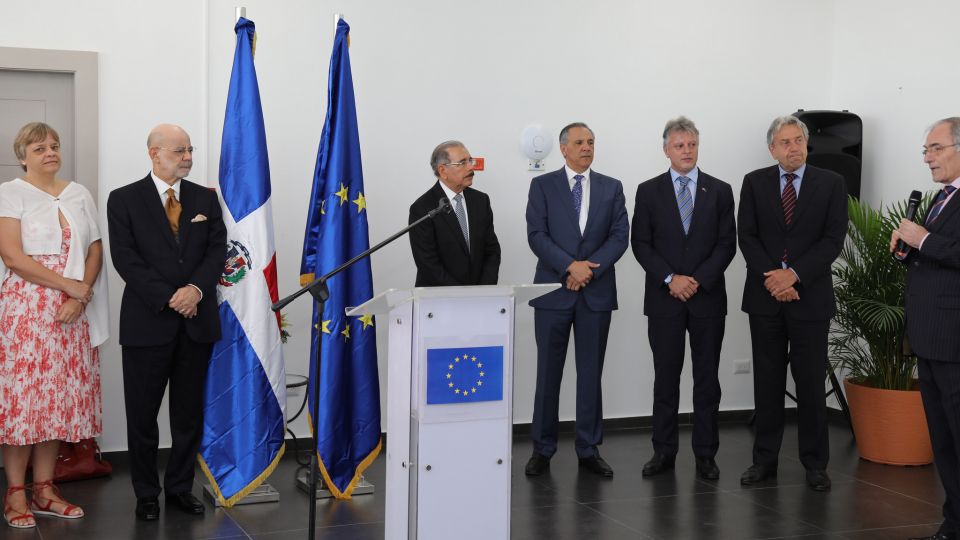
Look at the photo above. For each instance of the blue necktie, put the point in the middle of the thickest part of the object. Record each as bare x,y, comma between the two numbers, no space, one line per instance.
684,203
938,203
578,194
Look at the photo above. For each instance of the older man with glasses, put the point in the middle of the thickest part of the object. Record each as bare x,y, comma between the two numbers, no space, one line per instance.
168,243
933,312
459,247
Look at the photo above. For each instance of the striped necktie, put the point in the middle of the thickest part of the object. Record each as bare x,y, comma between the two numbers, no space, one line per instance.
938,202
684,202
789,200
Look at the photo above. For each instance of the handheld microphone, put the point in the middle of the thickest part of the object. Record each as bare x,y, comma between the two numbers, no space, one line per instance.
902,249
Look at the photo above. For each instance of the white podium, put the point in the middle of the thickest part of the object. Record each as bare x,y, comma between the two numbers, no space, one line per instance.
449,408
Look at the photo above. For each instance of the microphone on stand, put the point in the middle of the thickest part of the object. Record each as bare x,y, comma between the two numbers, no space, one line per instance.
902,249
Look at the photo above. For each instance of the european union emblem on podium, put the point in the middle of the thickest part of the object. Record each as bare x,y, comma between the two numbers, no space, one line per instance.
464,375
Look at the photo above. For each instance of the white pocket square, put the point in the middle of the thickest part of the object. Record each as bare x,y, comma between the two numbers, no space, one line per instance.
198,218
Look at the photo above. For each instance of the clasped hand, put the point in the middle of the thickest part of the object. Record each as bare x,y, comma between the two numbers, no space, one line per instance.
185,301
780,283
683,287
579,273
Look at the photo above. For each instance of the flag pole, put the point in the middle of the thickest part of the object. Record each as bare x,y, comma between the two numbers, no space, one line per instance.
240,12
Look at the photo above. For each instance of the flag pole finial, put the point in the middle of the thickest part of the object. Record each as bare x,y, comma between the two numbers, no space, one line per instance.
241,12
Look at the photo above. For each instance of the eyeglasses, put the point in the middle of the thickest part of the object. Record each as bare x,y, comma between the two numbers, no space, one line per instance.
937,148
469,161
178,151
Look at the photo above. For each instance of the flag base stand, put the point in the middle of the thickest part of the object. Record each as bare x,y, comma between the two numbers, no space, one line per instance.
303,482
265,493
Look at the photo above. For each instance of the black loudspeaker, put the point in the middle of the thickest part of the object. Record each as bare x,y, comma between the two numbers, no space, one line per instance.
836,144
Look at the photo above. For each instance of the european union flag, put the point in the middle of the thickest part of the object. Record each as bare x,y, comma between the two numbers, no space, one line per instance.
348,438
464,375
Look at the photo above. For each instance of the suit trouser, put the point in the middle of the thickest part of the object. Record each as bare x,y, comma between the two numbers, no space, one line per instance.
146,371
552,330
940,390
667,337
778,341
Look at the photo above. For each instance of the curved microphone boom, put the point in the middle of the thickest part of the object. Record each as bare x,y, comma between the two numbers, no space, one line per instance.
902,250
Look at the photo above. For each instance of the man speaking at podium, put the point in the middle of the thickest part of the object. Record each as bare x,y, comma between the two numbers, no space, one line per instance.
933,312
457,247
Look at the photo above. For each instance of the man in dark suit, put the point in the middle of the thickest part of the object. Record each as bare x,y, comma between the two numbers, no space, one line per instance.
791,224
577,227
459,247
684,235
168,242
933,312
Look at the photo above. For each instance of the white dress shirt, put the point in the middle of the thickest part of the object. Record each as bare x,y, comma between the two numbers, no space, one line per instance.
585,199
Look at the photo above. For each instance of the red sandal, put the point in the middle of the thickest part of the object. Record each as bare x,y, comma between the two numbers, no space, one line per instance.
46,510
7,508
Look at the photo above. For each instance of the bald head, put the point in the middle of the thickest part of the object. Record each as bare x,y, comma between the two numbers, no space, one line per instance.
170,151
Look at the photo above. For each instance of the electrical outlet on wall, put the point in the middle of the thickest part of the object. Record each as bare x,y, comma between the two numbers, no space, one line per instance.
741,366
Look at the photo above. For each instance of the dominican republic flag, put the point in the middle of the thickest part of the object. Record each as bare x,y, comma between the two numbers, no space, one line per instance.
245,394
348,438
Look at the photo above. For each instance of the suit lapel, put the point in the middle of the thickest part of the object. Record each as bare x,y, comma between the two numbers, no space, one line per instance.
704,198
474,211
450,219
771,190
668,195
155,211
949,209
562,186
188,209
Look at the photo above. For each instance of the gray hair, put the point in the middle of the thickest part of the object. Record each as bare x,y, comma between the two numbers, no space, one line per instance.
781,121
954,123
566,130
441,156
680,123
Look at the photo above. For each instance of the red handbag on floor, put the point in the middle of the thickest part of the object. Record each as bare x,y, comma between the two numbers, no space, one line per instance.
80,460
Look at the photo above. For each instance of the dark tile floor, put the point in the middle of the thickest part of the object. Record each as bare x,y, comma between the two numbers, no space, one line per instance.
868,501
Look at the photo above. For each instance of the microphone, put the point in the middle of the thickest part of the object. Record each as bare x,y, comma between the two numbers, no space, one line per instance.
443,207
902,249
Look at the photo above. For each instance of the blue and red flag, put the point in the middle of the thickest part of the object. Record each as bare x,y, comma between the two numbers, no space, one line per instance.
348,438
245,394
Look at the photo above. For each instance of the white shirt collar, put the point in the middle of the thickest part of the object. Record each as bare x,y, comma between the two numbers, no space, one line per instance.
450,193
162,187
571,173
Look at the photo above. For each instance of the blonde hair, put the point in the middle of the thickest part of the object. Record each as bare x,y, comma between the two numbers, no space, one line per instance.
33,132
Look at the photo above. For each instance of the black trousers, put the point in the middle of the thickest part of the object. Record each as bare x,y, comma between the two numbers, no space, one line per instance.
778,341
940,390
552,332
667,337
146,371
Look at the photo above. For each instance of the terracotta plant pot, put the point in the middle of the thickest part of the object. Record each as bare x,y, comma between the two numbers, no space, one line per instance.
890,425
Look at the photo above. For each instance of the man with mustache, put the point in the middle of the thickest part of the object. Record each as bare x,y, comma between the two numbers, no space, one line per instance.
459,247
791,226
577,227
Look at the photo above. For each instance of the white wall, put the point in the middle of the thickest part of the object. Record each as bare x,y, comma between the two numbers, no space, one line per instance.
426,71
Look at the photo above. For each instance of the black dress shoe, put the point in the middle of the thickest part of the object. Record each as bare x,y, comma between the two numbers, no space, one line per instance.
937,536
537,465
148,509
597,465
657,464
707,468
818,480
186,502
757,473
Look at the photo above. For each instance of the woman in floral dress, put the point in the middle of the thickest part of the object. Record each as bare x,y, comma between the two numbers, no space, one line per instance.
52,318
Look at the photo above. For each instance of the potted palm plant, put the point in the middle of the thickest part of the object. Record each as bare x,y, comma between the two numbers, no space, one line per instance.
867,341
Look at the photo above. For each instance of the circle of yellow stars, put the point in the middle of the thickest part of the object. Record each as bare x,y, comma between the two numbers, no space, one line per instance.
344,196
464,392
324,326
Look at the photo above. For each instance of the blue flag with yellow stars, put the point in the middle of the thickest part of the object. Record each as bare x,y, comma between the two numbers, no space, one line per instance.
464,375
348,438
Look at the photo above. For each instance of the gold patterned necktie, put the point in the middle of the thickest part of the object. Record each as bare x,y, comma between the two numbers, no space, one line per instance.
173,208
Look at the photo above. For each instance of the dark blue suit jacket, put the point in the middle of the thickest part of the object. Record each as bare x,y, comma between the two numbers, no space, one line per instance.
553,232
933,289
662,248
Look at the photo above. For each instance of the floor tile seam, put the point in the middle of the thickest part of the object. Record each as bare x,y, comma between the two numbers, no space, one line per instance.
618,522
820,530
892,528
898,493
237,523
